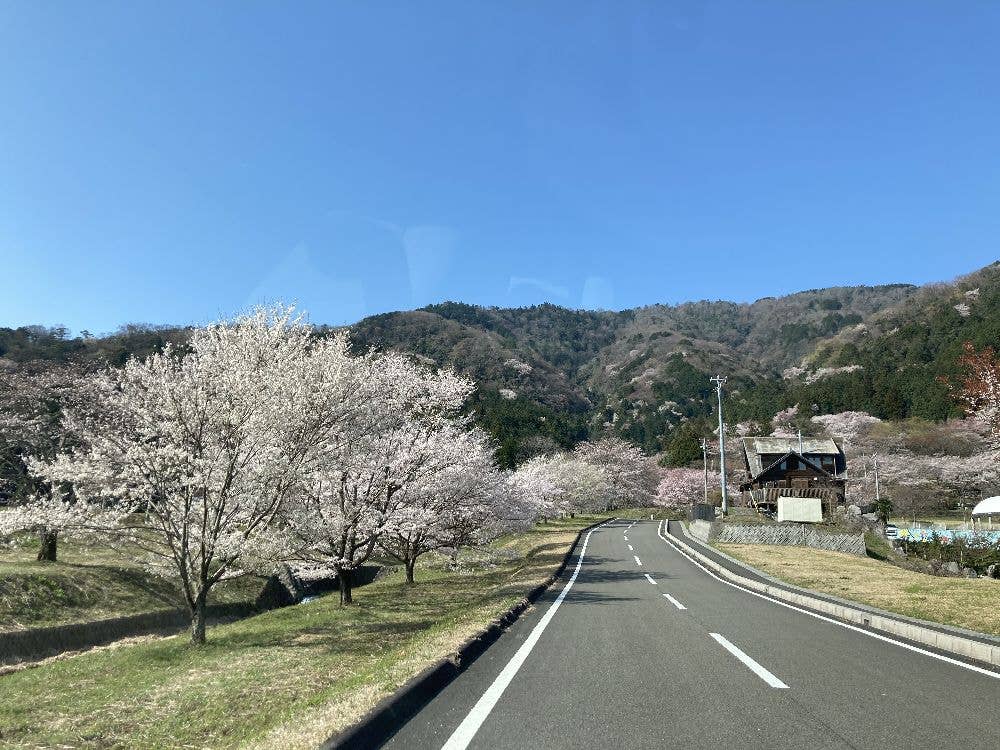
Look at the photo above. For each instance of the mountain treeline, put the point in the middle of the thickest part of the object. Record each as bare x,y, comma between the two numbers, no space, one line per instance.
549,377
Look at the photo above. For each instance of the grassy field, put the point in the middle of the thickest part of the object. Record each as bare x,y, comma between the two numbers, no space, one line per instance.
89,583
285,679
967,603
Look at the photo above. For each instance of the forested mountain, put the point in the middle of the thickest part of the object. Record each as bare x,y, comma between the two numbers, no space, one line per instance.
890,364
550,376
558,373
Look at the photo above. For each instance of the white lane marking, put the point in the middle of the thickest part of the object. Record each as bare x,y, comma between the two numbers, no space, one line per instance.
674,601
463,735
754,666
630,548
649,578
824,618
637,560
626,539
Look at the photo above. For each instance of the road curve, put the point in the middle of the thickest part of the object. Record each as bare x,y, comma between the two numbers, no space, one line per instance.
646,650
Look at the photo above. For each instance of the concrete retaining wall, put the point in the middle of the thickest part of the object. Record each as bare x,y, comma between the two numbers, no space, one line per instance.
702,530
37,643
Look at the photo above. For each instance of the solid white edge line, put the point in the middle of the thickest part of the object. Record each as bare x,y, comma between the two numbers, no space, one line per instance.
650,578
824,618
637,560
674,601
463,735
753,665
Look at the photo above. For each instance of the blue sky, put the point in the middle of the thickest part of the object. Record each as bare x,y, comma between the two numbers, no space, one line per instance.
177,162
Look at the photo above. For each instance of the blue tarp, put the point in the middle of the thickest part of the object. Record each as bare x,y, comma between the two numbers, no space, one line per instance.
946,535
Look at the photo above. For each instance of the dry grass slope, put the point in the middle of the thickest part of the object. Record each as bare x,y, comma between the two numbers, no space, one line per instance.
90,583
966,603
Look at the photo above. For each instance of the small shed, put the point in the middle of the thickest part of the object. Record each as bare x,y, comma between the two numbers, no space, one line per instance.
800,509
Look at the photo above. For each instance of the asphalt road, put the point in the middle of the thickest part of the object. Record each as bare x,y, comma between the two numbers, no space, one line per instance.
647,650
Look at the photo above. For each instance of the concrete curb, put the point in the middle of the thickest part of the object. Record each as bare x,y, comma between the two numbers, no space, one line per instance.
911,631
379,724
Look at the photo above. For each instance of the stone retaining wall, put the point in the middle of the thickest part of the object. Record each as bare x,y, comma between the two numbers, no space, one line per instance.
787,535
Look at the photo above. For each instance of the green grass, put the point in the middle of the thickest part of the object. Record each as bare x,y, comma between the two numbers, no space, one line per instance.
284,679
89,582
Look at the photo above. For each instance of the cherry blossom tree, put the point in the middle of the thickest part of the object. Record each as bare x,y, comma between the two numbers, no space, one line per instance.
356,485
629,478
32,399
189,455
680,487
585,486
783,423
454,500
536,484
601,476
849,425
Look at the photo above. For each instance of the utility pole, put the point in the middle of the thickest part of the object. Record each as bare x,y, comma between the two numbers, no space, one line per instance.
719,381
704,463
875,462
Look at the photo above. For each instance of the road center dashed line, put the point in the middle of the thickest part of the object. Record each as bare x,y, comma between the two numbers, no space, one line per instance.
753,666
649,578
637,560
630,548
674,601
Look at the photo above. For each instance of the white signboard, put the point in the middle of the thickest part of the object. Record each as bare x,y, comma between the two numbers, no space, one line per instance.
800,509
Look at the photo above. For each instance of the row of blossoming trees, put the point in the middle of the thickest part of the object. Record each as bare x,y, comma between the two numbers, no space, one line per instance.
261,442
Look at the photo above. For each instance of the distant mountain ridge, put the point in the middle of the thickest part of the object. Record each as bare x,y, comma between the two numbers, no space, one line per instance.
596,370
550,376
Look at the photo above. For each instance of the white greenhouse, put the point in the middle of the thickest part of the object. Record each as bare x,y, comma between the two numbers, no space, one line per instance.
986,509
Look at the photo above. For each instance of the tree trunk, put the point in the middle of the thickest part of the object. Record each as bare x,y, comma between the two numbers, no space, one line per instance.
198,619
409,570
344,576
48,539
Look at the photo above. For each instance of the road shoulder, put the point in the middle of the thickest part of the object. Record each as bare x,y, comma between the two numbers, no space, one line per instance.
965,645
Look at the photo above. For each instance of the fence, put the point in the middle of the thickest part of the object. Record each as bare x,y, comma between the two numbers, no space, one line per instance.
945,536
769,496
779,535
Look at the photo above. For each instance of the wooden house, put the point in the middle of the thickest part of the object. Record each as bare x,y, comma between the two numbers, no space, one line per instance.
804,467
